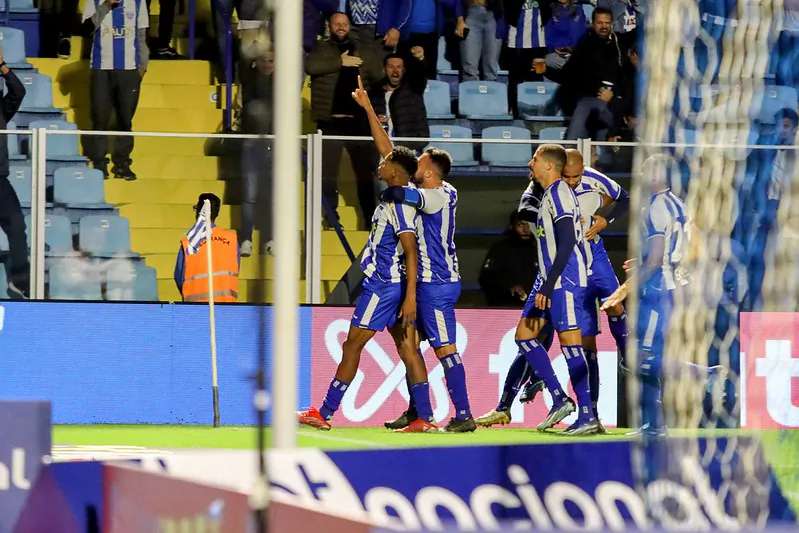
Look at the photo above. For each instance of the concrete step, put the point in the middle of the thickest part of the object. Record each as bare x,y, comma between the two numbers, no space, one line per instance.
163,119
177,167
166,191
169,146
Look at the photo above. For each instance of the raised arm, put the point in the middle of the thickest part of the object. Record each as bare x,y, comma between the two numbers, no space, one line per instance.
382,140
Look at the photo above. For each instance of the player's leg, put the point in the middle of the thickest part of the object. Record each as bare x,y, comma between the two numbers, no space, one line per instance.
518,373
603,283
416,378
375,310
545,337
589,329
567,314
654,312
436,317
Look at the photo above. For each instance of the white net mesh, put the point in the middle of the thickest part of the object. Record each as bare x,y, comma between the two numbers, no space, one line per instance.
718,123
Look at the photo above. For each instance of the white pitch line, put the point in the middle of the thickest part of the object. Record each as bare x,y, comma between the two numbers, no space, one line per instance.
320,435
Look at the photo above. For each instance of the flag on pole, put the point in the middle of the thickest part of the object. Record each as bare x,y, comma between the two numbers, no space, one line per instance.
196,235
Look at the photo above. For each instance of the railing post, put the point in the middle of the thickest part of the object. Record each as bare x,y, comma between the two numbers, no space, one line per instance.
313,220
38,146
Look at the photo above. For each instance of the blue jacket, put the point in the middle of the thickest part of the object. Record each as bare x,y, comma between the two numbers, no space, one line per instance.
397,14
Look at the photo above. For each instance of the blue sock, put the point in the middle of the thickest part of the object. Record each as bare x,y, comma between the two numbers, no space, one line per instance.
618,328
420,398
538,358
412,411
456,385
649,373
578,373
593,378
335,392
518,373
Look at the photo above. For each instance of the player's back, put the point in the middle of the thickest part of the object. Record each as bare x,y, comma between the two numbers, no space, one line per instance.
666,216
591,192
383,256
435,230
558,202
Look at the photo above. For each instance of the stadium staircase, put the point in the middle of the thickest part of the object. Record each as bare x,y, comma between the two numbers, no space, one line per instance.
180,96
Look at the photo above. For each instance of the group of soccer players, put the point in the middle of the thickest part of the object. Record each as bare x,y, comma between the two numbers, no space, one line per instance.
412,285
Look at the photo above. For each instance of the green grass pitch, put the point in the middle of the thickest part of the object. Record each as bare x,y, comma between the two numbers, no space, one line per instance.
243,437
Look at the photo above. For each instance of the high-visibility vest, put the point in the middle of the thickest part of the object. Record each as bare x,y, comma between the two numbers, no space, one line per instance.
225,268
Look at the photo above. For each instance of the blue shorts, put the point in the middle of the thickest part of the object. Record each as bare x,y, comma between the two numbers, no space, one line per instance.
435,312
602,282
565,312
654,313
378,306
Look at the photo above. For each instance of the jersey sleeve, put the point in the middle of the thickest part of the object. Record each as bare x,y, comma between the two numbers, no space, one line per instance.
433,200
604,184
563,202
657,219
406,218
529,203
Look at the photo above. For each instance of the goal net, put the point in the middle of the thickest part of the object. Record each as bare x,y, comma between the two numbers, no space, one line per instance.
718,125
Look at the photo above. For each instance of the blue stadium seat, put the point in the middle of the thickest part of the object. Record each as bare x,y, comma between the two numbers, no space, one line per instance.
57,235
73,279
38,101
19,6
79,187
60,147
536,101
20,178
483,100
552,134
3,283
462,153
776,97
12,41
506,155
437,101
105,236
130,280
12,140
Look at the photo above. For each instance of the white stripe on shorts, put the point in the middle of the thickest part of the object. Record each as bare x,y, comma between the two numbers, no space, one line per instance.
649,335
570,315
370,310
441,325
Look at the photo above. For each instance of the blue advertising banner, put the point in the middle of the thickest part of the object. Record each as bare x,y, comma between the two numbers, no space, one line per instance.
686,485
138,363
24,440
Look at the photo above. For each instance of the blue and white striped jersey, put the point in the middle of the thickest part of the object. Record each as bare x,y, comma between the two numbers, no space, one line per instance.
435,229
115,44
528,31
560,202
665,215
383,258
593,187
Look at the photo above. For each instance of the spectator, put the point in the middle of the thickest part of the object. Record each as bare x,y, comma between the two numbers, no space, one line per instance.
11,219
476,24
313,13
399,99
591,75
626,15
256,157
563,31
526,44
162,48
191,266
425,24
509,268
116,77
367,16
334,66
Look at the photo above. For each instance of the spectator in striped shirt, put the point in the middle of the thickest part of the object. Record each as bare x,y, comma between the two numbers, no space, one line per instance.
526,41
118,62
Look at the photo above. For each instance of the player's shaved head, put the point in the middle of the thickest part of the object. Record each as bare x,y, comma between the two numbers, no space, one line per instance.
573,169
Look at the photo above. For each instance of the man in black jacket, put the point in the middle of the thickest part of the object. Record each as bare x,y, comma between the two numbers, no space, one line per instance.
399,99
593,76
11,219
509,267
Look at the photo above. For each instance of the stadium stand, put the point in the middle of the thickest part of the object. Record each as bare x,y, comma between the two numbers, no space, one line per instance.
437,100
536,101
38,101
506,155
483,100
57,235
73,279
552,134
20,178
462,153
105,236
13,43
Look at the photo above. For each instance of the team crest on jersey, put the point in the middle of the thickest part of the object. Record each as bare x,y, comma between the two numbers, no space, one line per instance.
538,231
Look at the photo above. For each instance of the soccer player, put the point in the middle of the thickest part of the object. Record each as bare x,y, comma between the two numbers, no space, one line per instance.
558,292
439,282
601,200
387,296
663,240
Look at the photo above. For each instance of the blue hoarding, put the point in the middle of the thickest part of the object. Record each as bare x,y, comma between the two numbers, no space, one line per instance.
138,363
